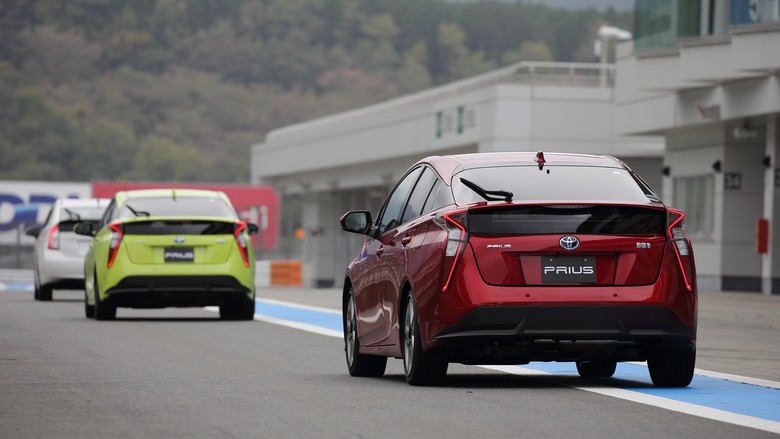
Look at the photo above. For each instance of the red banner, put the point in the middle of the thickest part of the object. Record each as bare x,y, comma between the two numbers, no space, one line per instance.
255,204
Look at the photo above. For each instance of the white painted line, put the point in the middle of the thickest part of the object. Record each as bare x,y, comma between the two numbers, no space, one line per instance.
738,378
301,326
290,323
728,377
628,395
664,403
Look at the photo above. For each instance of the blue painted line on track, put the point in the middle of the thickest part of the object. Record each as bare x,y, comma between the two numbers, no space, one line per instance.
311,317
729,396
23,286
745,399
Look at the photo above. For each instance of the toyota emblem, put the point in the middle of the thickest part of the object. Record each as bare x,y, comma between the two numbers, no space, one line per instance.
569,242
180,240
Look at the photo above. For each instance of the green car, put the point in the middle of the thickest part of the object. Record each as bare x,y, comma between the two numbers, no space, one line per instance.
169,248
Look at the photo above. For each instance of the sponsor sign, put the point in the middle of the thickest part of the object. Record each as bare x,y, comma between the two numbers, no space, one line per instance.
27,203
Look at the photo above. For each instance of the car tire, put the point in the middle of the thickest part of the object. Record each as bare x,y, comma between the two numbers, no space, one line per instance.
359,365
421,368
103,311
241,309
89,310
45,293
596,369
672,367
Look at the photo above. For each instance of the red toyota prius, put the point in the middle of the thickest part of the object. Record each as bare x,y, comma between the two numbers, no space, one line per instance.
507,258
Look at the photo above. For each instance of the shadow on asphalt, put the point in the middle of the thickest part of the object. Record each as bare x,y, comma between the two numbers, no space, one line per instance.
509,381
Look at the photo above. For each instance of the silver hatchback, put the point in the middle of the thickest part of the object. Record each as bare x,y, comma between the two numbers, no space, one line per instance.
59,252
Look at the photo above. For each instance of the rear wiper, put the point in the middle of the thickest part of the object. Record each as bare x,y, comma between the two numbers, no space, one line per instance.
488,195
71,214
136,212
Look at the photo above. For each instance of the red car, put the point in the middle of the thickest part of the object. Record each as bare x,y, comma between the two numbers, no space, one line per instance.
507,258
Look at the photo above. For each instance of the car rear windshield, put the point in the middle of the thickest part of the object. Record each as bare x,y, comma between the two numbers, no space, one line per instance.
179,206
81,213
554,183
568,219
179,228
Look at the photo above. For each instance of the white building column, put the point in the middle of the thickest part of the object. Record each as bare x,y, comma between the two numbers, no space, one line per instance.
320,225
770,274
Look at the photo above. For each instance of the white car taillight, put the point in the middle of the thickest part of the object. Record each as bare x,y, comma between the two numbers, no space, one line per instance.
53,242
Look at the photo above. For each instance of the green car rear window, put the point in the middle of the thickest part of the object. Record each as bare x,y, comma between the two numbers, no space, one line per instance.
179,206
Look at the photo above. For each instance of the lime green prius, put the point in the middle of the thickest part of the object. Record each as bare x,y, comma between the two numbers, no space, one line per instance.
169,248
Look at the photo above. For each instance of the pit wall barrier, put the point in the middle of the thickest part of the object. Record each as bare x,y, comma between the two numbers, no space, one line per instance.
278,273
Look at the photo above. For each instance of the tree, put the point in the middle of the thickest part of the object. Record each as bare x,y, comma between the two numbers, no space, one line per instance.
160,159
105,152
528,51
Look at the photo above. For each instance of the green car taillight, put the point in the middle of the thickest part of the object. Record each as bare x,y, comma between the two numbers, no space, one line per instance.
241,241
116,240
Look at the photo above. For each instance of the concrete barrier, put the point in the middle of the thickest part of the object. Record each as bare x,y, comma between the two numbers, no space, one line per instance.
278,273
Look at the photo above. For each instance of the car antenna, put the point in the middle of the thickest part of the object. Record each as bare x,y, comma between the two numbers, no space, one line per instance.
540,159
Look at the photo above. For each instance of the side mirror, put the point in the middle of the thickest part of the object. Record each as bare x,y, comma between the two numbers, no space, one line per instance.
33,231
86,229
356,221
252,228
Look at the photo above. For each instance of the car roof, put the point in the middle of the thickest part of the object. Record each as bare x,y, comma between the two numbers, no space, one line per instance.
162,193
84,202
449,165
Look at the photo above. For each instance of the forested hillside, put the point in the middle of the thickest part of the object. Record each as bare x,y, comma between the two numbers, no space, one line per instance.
179,89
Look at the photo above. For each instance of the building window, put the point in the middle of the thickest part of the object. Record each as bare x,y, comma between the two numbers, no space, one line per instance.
659,23
695,195
754,11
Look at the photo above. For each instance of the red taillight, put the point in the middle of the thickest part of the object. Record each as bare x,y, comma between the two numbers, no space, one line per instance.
241,241
457,236
116,240
681,245
54,238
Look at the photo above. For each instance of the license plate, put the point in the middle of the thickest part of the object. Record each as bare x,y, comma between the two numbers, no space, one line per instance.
569,269
179,254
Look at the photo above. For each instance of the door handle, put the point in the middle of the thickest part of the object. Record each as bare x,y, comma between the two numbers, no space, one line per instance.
406,240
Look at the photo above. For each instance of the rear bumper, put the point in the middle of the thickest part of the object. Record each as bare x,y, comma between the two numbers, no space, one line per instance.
520,334
61,271
176,291
569,322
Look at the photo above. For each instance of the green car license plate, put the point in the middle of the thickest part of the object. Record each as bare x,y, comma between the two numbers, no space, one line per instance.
179,254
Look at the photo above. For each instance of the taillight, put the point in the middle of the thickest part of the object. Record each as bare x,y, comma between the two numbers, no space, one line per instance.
681,244
457,236
241,241
54,238
116,240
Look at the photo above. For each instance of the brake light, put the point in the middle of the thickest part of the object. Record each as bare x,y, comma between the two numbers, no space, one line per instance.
116,240
241,241
53,242
682,245
457,236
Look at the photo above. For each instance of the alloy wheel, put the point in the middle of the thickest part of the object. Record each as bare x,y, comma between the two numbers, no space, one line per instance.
409,337
350,331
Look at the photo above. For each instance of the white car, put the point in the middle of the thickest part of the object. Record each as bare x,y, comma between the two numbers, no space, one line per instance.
59,252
